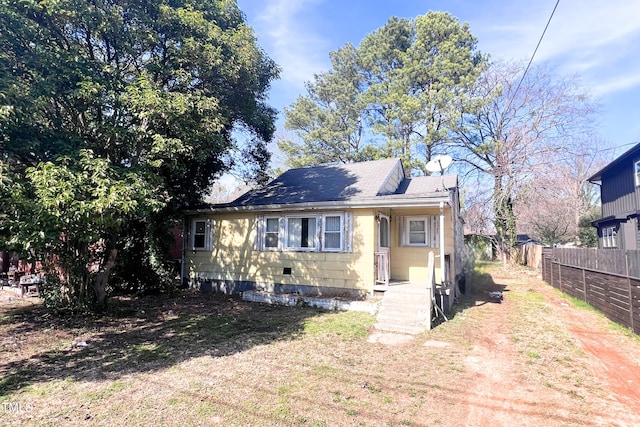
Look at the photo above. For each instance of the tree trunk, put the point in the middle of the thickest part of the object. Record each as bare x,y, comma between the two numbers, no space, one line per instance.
101,280
504,221
407,149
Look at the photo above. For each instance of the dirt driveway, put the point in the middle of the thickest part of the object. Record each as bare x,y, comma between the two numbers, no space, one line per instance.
540,360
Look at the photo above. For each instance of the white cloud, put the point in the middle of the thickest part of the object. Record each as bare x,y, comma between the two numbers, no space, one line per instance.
293,44
616,83
592,29
596,39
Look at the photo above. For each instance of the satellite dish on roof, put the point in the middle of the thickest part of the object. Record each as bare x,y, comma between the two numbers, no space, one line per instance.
439,163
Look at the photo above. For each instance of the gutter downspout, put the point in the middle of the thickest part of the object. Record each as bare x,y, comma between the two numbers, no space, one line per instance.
442,275
184,249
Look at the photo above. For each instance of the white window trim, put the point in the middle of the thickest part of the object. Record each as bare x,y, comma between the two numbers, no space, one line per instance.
285,236
320,219
432,232
280,233
609,237
388,219
323,232
207,234
636,172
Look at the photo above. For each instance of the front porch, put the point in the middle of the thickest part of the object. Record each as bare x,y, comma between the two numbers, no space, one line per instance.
384,279
382,287
405,308
409,306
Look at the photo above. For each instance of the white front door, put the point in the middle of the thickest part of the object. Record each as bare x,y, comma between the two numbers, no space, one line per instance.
383,254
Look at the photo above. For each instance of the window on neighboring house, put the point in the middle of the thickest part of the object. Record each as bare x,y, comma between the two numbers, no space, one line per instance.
301,233
637,173
609,237
200,235
421,231
272,233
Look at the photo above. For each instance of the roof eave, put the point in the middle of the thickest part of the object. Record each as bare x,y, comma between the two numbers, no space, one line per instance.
597,177
409,202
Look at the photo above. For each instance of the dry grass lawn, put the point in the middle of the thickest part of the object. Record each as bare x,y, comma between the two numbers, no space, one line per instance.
199,359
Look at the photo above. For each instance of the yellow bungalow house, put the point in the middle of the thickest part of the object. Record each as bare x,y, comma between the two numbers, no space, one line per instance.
336,230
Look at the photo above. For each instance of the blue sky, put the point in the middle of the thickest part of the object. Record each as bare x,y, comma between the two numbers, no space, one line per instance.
599,41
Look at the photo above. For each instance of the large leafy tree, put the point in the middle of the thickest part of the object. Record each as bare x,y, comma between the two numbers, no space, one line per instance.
399,85
115,114
417,70
330,119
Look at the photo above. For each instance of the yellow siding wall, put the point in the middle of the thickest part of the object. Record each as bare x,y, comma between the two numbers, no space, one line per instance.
233,257
410,262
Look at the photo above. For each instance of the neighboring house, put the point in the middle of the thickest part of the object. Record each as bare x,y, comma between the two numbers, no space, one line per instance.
620,196
338,230
484,246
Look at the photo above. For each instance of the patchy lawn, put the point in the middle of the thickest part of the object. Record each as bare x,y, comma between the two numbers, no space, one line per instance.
200,359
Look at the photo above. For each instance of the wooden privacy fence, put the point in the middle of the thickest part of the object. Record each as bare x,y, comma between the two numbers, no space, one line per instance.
530,254
607,279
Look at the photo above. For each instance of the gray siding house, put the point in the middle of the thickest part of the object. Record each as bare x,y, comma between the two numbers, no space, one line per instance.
620,195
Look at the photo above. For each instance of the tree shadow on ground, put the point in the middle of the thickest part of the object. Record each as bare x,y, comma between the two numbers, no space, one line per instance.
482,286
137,335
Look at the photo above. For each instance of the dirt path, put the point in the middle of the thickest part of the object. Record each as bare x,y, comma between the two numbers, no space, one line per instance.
587,374
614,357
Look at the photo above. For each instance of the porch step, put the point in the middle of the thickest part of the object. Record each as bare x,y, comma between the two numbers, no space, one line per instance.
400,328
414,316
406,301
405,309
411,296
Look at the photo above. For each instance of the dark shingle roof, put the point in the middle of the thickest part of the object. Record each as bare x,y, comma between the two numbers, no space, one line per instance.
322,184
366,182
425,185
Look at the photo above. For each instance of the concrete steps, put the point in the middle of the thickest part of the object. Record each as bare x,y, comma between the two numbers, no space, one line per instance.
405,309
318,302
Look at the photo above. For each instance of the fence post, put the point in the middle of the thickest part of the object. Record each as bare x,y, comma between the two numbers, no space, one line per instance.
626,258
584,284
560,277
553,273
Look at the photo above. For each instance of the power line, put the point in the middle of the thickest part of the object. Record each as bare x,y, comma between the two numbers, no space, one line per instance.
534,53
628,144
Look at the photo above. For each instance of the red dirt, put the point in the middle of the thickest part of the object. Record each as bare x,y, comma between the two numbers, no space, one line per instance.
614,358
508,395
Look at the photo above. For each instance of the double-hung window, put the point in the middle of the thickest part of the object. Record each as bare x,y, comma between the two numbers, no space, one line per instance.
417,232
304,232
301,233
272,233
332,229
609,237
421,231
200,234
636,172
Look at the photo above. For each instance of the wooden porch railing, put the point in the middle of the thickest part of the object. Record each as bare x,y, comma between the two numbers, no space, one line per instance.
383,267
